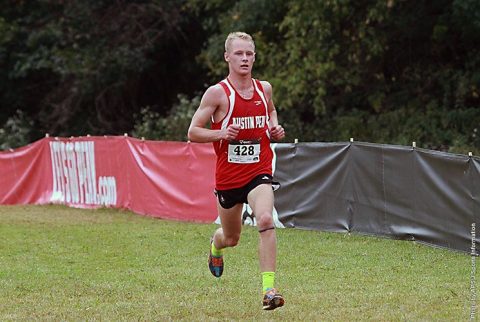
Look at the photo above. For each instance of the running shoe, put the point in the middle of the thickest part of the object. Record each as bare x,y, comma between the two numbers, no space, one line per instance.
215,263
272,300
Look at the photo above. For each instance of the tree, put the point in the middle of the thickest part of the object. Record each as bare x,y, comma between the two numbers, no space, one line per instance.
381,71
80,67
387,71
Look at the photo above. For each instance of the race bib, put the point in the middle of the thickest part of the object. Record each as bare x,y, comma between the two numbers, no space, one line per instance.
244,152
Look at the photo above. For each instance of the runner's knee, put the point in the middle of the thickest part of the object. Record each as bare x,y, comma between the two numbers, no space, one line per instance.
264,220
231,241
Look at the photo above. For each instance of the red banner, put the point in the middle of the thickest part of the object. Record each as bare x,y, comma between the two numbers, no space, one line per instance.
172,180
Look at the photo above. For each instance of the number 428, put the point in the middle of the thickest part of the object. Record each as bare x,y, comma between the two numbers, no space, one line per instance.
244,150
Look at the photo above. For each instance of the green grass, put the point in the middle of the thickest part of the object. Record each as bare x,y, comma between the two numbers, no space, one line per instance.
58,263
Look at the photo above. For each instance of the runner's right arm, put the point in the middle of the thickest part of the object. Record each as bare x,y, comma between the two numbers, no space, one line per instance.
209,105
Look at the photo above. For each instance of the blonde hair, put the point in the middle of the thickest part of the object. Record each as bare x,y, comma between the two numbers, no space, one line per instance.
238,35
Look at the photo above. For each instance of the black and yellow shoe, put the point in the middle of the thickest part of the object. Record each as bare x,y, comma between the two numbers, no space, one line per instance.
272,300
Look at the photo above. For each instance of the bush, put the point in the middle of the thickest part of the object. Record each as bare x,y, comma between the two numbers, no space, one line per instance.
173,127
16,131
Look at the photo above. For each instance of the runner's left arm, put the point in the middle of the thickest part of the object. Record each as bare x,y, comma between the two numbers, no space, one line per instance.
276,130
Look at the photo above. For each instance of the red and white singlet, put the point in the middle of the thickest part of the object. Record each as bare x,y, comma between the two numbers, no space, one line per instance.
239,161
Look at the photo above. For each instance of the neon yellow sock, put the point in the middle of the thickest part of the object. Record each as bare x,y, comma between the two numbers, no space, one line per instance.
268,280
216,252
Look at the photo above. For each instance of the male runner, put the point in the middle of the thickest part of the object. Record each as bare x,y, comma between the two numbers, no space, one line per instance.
243,119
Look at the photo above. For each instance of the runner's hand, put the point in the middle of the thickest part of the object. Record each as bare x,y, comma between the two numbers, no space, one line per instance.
277,132
231,132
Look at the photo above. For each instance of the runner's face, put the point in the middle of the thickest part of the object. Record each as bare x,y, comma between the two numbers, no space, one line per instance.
240,56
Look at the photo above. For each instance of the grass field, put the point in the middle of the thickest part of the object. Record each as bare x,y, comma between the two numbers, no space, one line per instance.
58,263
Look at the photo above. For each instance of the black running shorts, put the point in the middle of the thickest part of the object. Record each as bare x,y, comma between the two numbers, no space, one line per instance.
229,198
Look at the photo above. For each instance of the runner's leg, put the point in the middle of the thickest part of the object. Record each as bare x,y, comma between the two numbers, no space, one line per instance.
260,200
231,226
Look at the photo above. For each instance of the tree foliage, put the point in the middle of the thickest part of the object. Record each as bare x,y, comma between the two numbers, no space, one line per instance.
380,71
82,67
387,71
